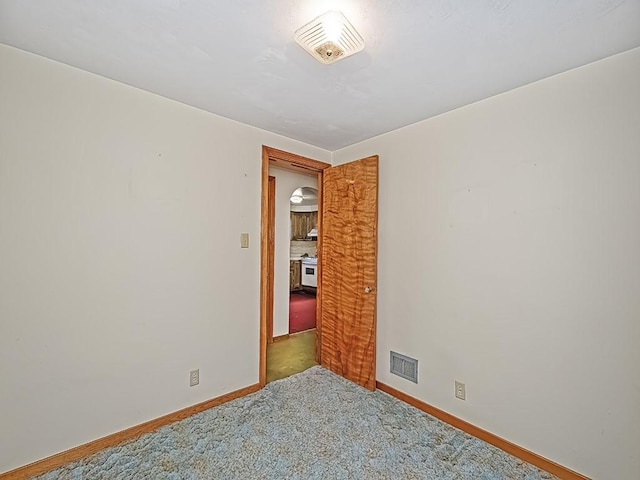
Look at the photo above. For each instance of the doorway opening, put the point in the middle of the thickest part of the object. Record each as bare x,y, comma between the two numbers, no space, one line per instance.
295,217
346,266
303,258
291,341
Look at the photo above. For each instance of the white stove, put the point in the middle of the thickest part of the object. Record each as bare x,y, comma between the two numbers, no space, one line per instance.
309,272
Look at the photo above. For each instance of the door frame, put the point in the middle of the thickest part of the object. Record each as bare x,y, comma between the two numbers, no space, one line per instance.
271,227
299,164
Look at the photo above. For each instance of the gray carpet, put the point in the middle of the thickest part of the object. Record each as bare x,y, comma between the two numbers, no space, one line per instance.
313,425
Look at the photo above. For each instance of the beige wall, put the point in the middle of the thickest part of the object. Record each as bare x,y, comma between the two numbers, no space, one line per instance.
286,183
121,267
509,260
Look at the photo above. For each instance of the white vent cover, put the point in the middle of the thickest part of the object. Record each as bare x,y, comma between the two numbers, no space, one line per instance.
329,37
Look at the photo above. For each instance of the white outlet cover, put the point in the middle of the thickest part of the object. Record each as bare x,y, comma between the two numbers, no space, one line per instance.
460,391
194,377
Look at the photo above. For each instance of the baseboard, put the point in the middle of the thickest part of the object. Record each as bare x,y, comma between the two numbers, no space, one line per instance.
280,338
303,331
501,443
55,461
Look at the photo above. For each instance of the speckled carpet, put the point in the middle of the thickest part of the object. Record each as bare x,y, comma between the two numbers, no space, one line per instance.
313,425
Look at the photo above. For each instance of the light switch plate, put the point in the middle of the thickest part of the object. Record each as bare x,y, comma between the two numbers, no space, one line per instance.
244,240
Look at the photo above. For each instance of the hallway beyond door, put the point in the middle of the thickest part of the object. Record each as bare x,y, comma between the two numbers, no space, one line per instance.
302,311
291,355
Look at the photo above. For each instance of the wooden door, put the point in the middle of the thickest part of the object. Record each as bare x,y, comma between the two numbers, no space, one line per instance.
349,270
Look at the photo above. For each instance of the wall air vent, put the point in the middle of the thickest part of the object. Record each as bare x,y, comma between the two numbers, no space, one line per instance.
405,367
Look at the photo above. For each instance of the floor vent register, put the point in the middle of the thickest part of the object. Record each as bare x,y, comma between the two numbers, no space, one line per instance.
405,367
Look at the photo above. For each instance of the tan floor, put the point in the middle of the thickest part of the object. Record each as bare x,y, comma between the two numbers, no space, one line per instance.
293,355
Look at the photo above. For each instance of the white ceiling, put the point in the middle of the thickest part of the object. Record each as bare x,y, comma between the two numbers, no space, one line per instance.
238,58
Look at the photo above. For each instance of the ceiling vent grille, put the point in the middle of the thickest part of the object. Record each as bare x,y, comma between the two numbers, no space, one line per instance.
405,367
329,37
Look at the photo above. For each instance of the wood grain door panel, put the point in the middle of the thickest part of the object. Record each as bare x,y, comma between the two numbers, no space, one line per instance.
349,270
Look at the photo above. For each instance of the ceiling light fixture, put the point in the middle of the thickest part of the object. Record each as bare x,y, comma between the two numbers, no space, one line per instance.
329,37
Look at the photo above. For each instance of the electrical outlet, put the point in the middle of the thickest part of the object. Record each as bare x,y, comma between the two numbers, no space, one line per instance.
194,377
461,392
244,240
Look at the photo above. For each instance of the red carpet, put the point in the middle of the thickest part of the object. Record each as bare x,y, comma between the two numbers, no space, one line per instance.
302,312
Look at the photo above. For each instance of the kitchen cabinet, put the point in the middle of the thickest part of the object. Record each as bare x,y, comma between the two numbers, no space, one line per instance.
302,223
295,275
